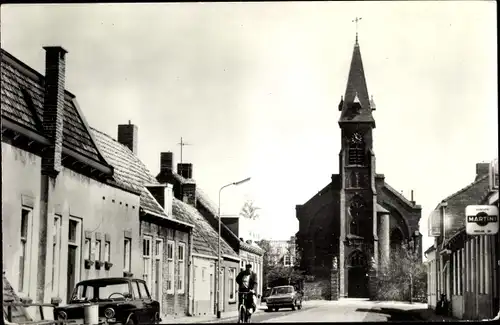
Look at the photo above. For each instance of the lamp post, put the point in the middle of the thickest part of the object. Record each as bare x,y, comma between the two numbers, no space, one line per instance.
218,250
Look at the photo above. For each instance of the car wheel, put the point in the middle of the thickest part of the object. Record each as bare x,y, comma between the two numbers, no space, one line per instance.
276,309
156,318
293,305
299,307
269,309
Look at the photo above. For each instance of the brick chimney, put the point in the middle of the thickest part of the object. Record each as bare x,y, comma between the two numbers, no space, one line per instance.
185,170
166,162
163,193
482,169
127,135
53,109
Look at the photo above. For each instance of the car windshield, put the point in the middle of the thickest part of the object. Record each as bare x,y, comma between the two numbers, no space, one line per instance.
282,290
101,291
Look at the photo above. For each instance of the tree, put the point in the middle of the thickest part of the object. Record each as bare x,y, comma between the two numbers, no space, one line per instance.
405,276
249,210
274,271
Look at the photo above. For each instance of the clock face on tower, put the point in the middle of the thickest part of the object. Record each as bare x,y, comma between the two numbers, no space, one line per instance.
356,138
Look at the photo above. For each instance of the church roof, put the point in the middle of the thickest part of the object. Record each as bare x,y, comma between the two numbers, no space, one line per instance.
356,104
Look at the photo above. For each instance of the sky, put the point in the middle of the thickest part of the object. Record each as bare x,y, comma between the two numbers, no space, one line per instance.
254,87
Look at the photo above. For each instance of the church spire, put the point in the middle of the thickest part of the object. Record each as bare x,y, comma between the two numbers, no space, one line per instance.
356,103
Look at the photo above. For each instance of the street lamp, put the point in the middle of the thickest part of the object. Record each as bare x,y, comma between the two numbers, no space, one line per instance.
218,251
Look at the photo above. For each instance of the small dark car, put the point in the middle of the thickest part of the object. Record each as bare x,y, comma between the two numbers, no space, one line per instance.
284,297
121,301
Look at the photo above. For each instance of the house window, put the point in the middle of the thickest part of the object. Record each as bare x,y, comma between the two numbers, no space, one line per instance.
170,260
107,251
127,252
181,259
24,265
56,252
286,260
147,261
232,284
73,254
87,249
98,250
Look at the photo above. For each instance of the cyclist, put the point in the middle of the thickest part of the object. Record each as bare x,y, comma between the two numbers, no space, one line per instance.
247,281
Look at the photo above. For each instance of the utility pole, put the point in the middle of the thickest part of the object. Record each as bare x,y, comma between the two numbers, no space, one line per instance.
182,144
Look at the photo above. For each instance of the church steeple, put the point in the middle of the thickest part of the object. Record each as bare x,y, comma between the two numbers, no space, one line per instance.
356,105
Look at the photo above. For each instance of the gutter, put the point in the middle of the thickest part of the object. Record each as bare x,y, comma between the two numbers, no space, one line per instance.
167,218
204,256
190,282
233,258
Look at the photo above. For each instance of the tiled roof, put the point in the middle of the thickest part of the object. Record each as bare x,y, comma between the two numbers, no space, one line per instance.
205,238
204,200
131,172
400,196
356,87
458,201
17,77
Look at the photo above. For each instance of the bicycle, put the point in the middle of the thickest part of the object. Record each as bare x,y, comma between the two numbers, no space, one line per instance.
244,315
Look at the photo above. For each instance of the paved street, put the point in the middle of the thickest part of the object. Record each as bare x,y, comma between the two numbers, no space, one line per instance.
344,310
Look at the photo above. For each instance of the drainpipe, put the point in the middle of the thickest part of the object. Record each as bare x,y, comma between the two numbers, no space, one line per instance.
190,299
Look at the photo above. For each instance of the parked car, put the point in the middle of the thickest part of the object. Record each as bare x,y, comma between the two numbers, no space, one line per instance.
266,294
284,297
120,300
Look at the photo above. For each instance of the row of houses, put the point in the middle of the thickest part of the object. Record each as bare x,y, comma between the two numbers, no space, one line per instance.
462,267
78,204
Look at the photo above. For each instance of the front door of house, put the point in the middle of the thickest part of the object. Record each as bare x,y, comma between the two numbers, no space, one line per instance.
157,285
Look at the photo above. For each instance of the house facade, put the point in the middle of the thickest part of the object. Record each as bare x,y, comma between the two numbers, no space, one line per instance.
165,238
61,198
204,249
186,190
347,229
462,266
283,252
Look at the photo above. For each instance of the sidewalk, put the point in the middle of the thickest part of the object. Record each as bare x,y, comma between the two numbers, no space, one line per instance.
207,319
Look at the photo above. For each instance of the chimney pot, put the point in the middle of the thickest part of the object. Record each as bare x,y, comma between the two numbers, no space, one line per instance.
185,170
127,135
53,110
166,162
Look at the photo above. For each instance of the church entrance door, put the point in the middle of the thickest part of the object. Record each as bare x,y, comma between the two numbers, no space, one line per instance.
358,282
357,276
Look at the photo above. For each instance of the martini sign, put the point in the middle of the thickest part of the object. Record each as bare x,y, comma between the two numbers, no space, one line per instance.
481,219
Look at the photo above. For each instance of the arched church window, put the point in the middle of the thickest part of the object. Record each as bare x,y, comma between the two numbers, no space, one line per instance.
354,227
357,259
356,210
356,151
396,238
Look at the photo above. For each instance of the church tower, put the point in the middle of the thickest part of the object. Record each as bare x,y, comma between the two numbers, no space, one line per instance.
358,249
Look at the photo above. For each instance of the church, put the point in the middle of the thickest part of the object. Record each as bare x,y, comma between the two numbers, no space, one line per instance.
347,229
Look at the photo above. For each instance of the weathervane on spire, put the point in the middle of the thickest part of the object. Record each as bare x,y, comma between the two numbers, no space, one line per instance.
356,20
